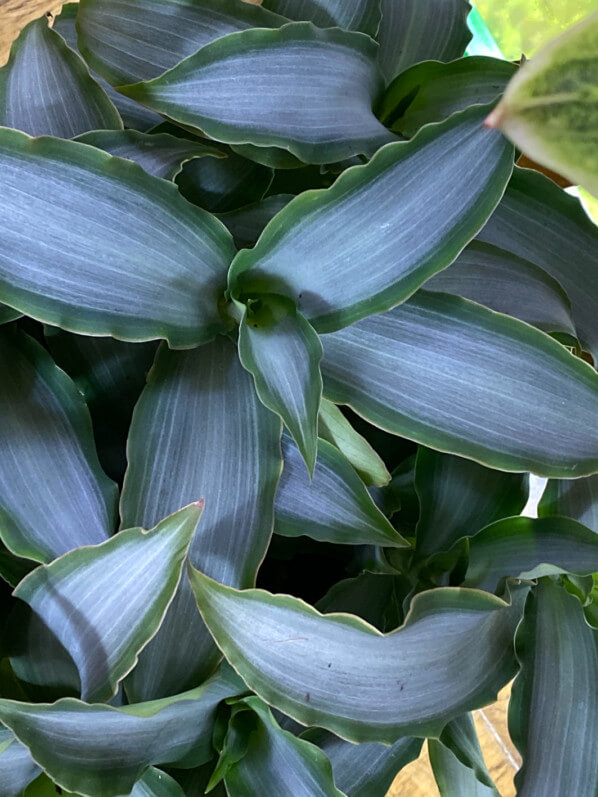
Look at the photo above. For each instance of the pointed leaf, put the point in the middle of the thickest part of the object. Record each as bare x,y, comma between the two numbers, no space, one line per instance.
368,242
17,768
47,447
132,114
246,224
333,506
421,30
549,109
538,221
161,155
224,445
573,498
320,86
508,284
111,375
282,352
85,219
457,377
458,763
104,622
459,497
223,184
528,548
156,783
364,770
432,91
276,762
336,429
340,673
100,750
558,653
46,88
363,15
185,26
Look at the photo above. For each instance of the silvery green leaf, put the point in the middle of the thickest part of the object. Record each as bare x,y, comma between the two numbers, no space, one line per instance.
17,768
553,712
363,15
102,751
337,672
572,498
85,216
457,377
105,602
223,445
333,506
47,447
368,242
46,88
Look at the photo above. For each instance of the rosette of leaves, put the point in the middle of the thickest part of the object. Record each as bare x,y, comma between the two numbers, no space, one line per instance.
283,333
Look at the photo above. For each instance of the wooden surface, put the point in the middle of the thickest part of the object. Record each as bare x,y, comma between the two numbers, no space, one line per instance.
416,780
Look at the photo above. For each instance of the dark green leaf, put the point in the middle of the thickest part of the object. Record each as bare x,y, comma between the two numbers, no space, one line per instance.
340,673
459,497
223,445
368,242
132,114
528,548
184,26
574,498
364,770
459,378
161,155
507,284
102,751
458,763
156,783
553,713
99,230
432,91
247,223
305,90
7,314
282,352
363,15
46,89
538,221
47,447
333,506
224,184
105,602
368,595
421,30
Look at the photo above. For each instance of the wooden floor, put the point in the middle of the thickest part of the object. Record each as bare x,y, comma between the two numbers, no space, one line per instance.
416,780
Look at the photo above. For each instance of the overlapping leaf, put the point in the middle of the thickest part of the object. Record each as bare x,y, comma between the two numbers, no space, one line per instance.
508,284
457,377
337,672
47,447
299,88
247,223
572,498
421,30
363,15
282,352
46,89
529,548
333,506
99,230
458,763
553,713
368,242
459,497
99,750
184,26
199,429
161,155
539,222
431,91
17,768
104,603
